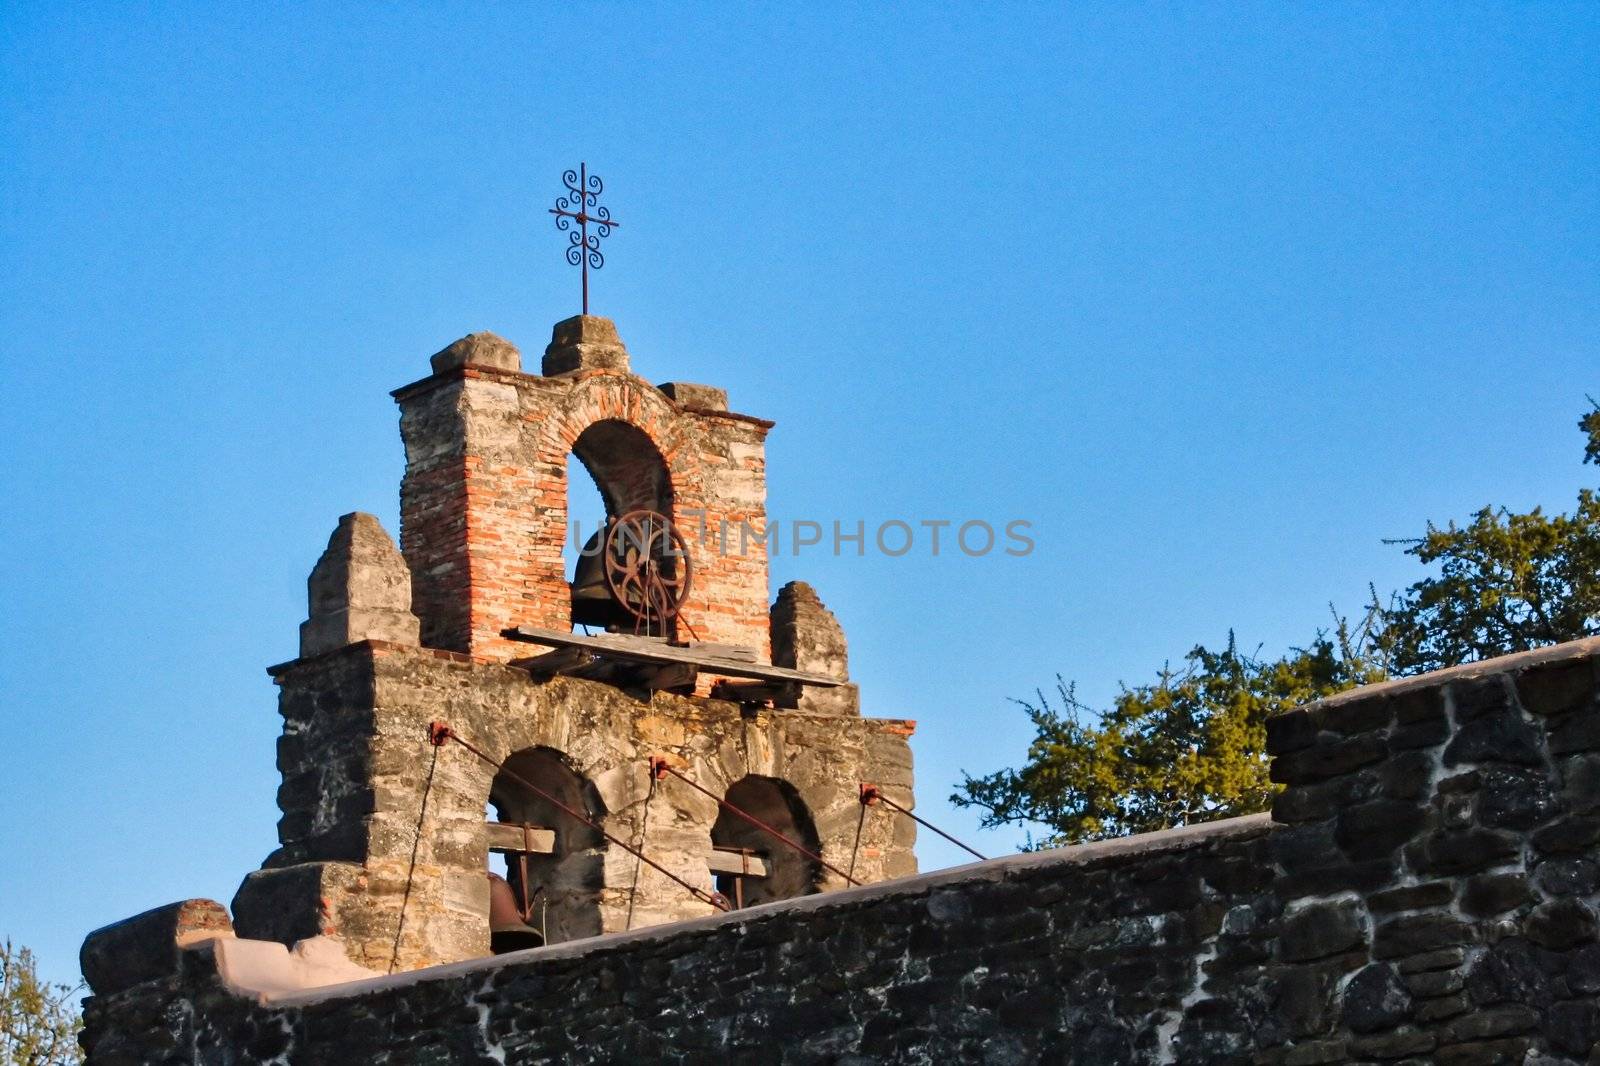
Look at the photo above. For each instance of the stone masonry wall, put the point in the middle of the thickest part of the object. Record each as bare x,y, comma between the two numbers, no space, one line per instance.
376,820
484,499
1425,890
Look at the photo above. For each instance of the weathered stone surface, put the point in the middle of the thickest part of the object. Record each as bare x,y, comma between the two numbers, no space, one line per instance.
1487,895
1557,688
1376,999
1320,930
1568,876
478,349
148,946
806,636
1574,1026
1372,830
360,589
1512,971
1514,798
1394,912
1560,924
1414,933
1466,851
357,768
1322,761
584,342
699,397
1426,896
1500,735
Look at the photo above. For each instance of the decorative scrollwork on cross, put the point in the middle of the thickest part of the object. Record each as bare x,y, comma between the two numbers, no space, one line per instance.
581,204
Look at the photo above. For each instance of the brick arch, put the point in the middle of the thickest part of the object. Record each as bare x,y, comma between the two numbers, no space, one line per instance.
626,466
623,400
485,523
604,417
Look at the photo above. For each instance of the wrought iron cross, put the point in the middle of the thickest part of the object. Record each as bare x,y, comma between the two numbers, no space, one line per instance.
583,250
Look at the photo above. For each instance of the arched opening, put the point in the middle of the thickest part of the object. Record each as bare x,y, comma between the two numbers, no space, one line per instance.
628,474
750,865
553,863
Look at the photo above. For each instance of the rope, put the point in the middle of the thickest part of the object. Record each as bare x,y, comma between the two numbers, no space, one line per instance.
439,734
857,845
400,923
659,766
872,794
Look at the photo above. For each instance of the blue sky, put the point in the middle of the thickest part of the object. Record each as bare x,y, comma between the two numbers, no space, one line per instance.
1217,297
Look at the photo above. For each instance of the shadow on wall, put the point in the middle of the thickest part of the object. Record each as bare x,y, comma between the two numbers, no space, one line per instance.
788,873
562,887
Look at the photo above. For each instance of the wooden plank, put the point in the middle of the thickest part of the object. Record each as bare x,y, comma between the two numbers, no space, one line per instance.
728,862
666,653
506,836
722,651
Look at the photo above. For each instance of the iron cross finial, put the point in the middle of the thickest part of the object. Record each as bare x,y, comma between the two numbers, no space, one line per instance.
583,249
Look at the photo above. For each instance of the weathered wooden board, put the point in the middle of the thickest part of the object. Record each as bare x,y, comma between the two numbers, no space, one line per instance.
505,836
645,651
728,862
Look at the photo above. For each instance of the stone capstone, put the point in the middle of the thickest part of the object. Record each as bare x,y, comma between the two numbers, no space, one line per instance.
699,397
584,342
359,590
478,349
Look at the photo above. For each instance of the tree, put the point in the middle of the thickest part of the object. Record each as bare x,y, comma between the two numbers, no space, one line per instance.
1190,746
38,1021
1507,582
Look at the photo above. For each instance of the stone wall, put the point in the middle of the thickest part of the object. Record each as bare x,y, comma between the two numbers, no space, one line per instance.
1424,890
377,823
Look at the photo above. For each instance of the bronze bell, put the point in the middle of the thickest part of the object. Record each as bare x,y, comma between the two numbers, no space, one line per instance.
508,929
592,602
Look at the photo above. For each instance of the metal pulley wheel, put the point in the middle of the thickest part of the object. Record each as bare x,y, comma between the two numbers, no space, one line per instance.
647,568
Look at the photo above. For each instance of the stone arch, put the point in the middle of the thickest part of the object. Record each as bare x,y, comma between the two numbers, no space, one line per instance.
564,884
777,803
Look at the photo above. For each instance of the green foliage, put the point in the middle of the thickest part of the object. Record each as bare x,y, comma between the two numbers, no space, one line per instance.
1507,582
39,1022
1190,746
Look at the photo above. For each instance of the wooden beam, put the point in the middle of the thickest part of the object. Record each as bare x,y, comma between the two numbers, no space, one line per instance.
731,862
671,675
513,838
551,663
633,650
755,691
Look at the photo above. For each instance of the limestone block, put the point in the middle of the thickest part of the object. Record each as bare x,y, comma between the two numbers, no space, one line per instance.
807,636
478,349
149,945
584,342
696,397
360,589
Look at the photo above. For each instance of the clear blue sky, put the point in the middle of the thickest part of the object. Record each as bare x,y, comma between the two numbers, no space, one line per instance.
1217,296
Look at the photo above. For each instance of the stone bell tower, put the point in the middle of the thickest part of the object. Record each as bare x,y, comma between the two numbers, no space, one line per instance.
746,704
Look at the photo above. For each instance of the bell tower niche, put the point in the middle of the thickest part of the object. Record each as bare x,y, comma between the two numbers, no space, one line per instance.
483,504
